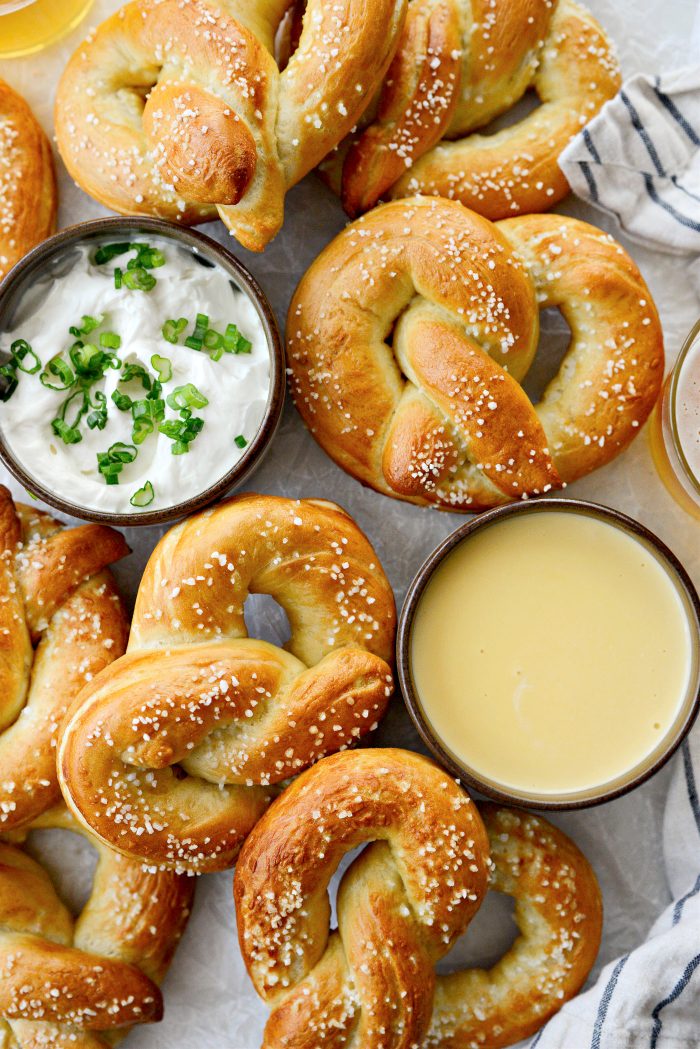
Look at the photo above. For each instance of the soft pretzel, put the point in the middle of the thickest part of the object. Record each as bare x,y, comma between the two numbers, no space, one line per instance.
409,336
172,108
401,906
66,983
61,622
28,200
170,754
460,64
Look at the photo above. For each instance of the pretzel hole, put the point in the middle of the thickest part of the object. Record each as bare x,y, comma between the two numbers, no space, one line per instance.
70,861
490,935
289,32
555,339
529,102
266,620
135,90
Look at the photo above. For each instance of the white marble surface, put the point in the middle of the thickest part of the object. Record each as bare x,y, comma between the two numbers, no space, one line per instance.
209,1001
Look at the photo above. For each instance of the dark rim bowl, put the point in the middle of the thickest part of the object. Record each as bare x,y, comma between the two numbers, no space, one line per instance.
31,268
502,793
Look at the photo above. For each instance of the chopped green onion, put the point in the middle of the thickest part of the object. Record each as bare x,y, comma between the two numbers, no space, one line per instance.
192,343
9,372
182,431
172,330
118,275
89,361
97,418
162,366
122,400
187,396
107,252
110,340
240,441
60,369
147,257
234,342
139,279
121,452
144,496
20,350
111,463
67,429
146,414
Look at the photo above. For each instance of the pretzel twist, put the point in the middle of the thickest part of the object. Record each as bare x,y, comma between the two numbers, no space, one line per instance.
61,622
170,754
64,982
401,906
170,108
409,337
28,197
460,64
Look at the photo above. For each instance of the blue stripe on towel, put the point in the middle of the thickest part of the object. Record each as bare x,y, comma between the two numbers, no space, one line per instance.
677,184
675,112
675,993
590,181
680,903
590,145
690,783
605,1002
684,220
643,133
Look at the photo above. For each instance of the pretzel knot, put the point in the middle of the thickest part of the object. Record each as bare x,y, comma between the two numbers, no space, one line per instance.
170,754
170,108
401,906
410,335
65,981
459,65
61,622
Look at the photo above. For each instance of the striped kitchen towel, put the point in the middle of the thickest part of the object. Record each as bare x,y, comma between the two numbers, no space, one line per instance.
650,998
639,160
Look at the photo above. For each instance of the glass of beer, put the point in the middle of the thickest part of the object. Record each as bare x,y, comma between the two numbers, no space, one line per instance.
27,26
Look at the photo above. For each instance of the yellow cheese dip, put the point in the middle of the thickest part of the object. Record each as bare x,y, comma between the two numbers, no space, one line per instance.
551,652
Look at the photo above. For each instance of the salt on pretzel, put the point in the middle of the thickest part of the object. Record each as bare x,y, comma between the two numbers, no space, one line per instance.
61,622
409,336
401,905
81,983
170,753
173,109
460,64
28,196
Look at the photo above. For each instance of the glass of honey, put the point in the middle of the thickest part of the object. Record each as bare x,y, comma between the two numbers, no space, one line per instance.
27,26
674,431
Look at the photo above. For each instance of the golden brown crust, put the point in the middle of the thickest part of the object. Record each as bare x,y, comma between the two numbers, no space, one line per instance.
168,108
475,62
410,334
55,595
401,906
559,913
28,196
60,979
170,754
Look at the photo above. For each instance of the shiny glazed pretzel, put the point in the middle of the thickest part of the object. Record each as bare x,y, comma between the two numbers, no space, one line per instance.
401,905
460,64
27,180
61,622
409,337
79,984
170,754
170,108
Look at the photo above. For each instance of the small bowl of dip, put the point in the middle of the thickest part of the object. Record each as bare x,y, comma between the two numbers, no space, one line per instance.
142,371
549,653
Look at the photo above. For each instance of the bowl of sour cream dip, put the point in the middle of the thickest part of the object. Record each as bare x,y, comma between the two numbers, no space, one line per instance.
141,371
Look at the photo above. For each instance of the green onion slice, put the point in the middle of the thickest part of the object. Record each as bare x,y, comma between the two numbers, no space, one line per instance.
139,279
24,357
59,369
144,496
107,252
187,396
163,367
172,330
110,340
240,441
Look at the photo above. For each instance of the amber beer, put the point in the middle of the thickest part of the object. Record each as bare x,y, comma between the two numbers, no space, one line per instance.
674,430
27,26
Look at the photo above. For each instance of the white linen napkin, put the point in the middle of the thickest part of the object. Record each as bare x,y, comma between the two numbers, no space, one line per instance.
650,998
639,160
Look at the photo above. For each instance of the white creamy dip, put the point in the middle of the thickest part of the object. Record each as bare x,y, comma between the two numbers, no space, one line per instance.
236,386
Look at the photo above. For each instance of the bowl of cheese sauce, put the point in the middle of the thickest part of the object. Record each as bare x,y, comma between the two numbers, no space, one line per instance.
142,374
549,653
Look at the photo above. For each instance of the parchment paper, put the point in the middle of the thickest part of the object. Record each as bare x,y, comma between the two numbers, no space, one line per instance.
210,1003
